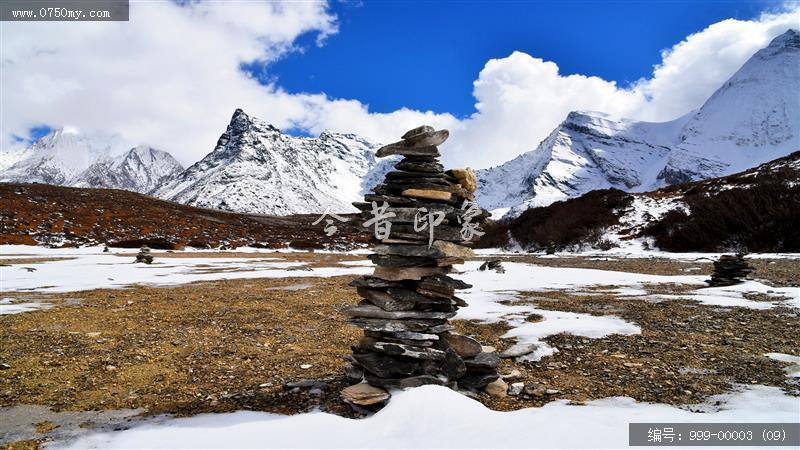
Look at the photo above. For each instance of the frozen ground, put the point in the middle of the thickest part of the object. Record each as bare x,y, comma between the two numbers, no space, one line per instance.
436,417
89,268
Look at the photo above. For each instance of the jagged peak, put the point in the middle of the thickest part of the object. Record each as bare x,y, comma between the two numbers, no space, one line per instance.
789,39
242,120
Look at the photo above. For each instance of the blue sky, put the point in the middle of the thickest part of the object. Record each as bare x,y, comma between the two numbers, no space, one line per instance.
426,55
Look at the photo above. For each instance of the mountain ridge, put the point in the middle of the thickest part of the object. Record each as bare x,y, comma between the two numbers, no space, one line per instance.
749,120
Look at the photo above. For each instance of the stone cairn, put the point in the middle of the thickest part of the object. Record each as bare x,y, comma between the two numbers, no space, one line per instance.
729,270
407,301
144,255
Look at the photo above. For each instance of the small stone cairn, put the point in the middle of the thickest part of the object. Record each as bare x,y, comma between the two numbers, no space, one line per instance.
144,255
407,301
729,270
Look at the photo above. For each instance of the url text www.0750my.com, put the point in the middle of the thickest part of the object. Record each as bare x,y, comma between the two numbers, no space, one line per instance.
59,13
56,11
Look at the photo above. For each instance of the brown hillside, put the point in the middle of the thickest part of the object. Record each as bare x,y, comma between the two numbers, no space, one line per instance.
38,214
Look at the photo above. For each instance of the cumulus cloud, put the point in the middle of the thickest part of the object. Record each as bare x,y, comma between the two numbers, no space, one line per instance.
172,76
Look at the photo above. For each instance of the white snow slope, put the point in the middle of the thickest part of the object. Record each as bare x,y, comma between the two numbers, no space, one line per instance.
255,168
753,118
437,417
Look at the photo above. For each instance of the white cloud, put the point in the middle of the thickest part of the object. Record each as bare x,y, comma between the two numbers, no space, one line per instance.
171,78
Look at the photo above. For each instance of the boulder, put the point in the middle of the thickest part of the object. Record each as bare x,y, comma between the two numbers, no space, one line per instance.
466,347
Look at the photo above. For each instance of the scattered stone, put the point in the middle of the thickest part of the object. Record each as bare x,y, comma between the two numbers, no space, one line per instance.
518,350
495,265
497,388
4,366
534,390
305,366
304,385
364,395
511,376
516,389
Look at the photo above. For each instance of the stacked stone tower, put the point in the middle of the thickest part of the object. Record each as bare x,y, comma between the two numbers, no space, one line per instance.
422,229
729,270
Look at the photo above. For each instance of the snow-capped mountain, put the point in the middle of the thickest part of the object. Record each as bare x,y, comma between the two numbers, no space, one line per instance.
140,169
69,158
58,157
753,118
255,168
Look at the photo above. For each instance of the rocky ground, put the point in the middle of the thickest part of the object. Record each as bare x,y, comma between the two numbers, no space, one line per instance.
256,343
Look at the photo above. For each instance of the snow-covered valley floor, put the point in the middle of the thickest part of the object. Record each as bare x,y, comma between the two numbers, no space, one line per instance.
586,313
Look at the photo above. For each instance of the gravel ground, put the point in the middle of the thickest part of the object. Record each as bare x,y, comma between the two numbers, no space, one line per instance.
230,345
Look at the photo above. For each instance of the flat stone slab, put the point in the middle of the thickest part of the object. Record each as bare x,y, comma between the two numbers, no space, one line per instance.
404,383
374,312
385,301
388,325
464,346
408,273
400,148
386,366
396,349
427,193
364,395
